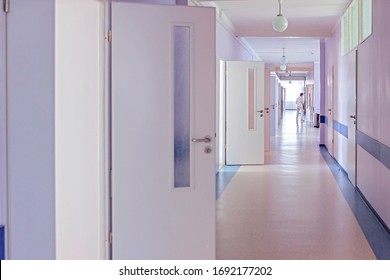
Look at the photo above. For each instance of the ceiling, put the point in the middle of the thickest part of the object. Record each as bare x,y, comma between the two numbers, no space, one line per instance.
309,22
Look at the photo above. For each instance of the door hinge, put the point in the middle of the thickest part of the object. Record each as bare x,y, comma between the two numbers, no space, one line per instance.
110,237
6,6
109,37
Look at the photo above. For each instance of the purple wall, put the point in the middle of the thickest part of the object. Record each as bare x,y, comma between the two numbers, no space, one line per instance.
30,119
2,116
229,47
373,103
373,176
166,2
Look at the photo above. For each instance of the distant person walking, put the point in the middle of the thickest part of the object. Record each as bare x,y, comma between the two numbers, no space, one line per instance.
300,106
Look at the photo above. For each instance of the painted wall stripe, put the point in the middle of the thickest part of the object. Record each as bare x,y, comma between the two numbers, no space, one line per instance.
375,232
224,176
378,150
340,128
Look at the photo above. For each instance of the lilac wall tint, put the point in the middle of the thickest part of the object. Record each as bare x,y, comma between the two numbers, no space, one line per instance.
228,47
373,101
2,115
31,206
373,113
32,114
30,108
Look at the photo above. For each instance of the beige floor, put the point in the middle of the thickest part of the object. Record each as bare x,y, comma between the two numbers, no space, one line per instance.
289,208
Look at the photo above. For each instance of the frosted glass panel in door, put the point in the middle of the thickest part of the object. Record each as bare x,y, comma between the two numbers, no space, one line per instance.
181,81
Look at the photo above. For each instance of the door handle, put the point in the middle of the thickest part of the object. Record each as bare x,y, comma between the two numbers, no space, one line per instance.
261,111
352,117
207,139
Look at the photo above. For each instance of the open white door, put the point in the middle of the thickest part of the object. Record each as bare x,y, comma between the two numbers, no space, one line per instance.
163,127
272,104
267,123
245,112
351,91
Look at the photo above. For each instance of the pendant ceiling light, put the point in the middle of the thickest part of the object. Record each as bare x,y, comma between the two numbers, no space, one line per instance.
283,61
280,23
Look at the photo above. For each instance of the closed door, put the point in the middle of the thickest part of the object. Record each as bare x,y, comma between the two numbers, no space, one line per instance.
351,91
245,112
163,127
330,110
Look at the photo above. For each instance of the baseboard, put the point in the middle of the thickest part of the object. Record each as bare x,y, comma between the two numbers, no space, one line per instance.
2,243
385,226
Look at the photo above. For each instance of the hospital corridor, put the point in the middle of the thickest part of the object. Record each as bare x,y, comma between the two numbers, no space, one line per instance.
293,207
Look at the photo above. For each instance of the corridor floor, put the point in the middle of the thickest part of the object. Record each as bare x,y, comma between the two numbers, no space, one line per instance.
289,208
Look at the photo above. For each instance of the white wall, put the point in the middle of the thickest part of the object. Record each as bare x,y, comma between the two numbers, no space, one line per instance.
31,231
220,119
317,87
81,168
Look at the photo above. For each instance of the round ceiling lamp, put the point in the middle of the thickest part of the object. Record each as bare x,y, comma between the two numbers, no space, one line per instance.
280,22
283,59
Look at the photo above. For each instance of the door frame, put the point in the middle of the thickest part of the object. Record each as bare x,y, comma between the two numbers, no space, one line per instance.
221,115
90,195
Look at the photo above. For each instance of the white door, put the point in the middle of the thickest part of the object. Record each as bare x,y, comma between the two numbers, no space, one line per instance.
272,105
351,91
245,112
267,137
163,127
330,110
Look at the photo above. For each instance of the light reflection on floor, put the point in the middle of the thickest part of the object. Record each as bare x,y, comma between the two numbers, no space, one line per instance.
289,208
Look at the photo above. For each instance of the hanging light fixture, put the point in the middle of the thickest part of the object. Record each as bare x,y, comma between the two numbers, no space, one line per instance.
283,59
280,23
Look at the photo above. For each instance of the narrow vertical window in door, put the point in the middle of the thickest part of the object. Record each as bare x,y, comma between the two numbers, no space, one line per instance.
354,15
181,103
251,99
366,18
